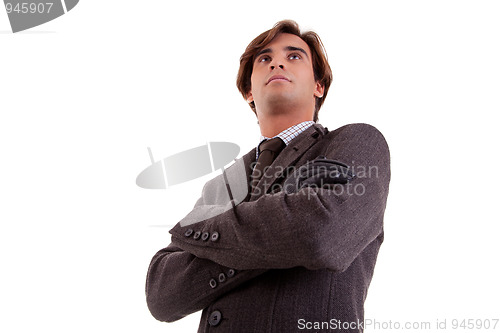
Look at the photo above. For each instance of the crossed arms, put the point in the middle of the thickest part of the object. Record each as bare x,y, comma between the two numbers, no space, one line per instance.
313,228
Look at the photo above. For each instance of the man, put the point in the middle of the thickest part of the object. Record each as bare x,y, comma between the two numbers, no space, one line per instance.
286,258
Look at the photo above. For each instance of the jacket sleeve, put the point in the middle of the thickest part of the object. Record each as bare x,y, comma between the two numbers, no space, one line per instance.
178,283
313,228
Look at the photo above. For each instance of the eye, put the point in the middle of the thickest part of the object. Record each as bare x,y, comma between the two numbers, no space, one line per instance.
294,56
264,59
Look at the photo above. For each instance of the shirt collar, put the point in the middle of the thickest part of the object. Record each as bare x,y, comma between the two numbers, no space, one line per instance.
289,134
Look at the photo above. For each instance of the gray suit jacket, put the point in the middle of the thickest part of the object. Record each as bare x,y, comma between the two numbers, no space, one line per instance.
282,262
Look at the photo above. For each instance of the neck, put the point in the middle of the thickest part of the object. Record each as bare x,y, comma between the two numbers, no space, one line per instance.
276,118
273,125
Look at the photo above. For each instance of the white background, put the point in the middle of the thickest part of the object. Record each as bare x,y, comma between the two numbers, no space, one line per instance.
83,96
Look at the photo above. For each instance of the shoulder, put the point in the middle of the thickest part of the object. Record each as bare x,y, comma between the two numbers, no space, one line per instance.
357,135
358,130
360,143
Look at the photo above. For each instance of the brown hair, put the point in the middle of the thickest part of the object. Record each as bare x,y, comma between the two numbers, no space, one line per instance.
321,68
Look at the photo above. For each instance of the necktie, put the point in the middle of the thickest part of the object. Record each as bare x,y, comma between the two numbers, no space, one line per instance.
268,150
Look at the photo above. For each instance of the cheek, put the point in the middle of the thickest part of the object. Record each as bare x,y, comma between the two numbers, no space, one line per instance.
253,76
310,78
254,82
309,72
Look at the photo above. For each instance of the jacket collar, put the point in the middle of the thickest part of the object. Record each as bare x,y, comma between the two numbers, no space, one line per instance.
291,154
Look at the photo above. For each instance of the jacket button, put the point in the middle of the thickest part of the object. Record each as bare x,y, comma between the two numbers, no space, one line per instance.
205,236
222,277
213,283
215,318
231,272
197,235
215,236
188,232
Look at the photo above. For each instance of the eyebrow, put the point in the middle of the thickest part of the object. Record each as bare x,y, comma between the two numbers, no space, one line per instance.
288,48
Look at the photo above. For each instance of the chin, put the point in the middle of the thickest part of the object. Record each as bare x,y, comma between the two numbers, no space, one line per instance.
281,101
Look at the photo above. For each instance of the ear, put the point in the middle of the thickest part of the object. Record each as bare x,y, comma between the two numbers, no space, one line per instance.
249,97
318,92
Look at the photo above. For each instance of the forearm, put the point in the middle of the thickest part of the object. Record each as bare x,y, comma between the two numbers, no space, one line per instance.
178,283
313,228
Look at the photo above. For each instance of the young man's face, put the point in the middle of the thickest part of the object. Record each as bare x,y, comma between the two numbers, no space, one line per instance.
283,75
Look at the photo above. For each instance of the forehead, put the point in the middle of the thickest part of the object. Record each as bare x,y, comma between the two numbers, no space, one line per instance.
283,40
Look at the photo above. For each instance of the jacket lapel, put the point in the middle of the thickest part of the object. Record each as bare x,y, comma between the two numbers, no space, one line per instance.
288,157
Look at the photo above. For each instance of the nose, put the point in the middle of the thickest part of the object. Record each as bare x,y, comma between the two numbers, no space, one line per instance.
275,63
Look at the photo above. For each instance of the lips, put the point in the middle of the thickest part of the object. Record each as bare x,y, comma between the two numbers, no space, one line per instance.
277,77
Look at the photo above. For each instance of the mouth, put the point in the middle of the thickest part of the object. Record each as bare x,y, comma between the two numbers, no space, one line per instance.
277,78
